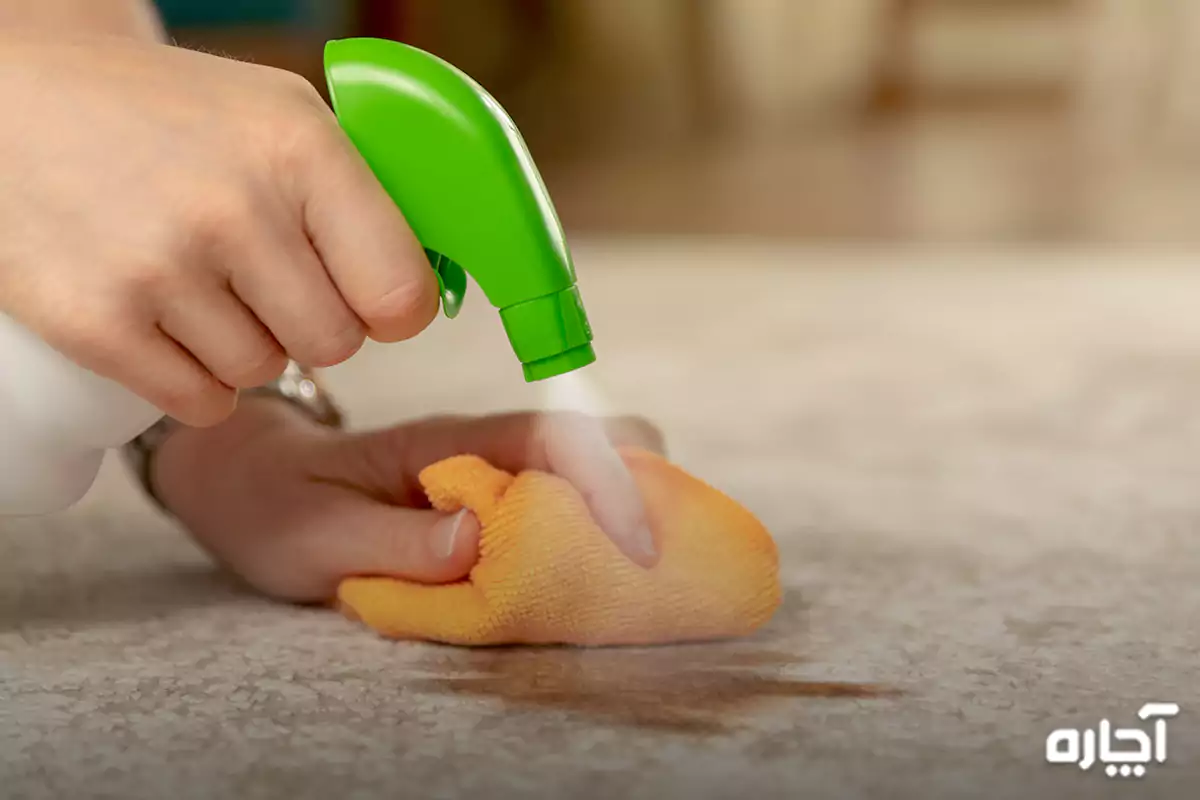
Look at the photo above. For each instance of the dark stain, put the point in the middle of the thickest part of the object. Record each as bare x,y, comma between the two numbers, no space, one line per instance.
699,689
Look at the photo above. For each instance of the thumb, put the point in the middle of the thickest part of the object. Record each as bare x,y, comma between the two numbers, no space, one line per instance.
418,545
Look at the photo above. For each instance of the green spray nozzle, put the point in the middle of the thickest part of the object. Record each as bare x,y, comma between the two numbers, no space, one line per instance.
456,166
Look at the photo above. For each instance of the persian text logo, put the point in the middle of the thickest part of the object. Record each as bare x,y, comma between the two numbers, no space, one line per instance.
1087,747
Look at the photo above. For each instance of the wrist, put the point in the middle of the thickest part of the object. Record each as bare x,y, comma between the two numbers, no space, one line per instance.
294,403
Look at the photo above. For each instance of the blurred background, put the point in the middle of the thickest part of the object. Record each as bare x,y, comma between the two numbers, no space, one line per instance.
876,120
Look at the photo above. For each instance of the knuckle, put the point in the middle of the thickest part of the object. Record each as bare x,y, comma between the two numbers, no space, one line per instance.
302,139
200,403
145,279
404,553
254,369
333,348
401,312
219,217
637,430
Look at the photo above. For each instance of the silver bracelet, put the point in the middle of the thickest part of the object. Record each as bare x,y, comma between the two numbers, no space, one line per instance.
297,385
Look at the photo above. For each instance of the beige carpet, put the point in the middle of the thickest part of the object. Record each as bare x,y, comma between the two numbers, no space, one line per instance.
983,473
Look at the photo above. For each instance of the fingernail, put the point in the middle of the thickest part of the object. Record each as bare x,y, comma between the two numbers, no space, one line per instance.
446,535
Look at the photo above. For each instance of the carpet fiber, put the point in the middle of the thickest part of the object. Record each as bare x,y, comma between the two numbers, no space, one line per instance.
983,473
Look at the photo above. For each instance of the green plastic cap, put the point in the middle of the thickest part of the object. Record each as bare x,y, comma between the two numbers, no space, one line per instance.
550,334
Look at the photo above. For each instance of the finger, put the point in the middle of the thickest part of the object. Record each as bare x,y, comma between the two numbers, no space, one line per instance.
380,539
224,336
631,431
397,455
526,440
155,367
578,449
504,439
365,244
574,446
279,277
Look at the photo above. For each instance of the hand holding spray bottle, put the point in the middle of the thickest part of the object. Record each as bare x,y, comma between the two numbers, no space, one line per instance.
449,156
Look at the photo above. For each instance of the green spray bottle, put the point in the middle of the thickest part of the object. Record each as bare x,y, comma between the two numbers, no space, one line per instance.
456,166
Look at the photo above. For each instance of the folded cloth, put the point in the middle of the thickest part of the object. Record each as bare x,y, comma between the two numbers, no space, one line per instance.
547,574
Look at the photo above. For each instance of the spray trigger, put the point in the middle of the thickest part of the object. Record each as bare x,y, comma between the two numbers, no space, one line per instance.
452,282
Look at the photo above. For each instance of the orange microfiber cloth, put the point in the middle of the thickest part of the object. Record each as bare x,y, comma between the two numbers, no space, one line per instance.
547,574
